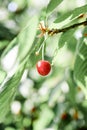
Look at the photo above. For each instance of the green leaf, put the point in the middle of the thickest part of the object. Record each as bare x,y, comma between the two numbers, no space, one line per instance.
62,17
26,38
3,44
79,10
8,91
80,67
2,75
25,41
73,14
65,37
52,5
72,86
71,44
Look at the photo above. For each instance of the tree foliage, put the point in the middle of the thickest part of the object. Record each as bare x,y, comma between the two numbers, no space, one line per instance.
56,101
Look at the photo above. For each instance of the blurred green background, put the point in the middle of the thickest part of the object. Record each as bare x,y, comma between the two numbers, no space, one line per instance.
50,103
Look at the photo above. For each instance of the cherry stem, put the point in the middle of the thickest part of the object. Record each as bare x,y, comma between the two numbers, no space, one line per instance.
40,47
43,49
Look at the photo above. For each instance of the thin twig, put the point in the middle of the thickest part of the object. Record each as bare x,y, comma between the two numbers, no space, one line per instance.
55,31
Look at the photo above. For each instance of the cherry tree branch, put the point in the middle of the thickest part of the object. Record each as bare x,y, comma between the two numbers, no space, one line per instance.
55,31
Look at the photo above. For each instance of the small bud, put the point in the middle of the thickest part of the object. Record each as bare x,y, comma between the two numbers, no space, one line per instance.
36,53
81,16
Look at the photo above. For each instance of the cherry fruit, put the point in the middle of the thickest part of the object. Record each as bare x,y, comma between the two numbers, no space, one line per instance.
43,67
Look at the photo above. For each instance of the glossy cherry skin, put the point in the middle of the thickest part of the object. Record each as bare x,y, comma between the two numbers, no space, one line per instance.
43,67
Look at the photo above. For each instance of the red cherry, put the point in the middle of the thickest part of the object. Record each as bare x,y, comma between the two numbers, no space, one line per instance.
43,67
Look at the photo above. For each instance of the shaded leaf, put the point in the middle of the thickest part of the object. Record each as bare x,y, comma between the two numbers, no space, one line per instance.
62,17
80,67
65,37
71,44
72,86
5,33
2,75
8,91
26,38
3,44
25,41
52,5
